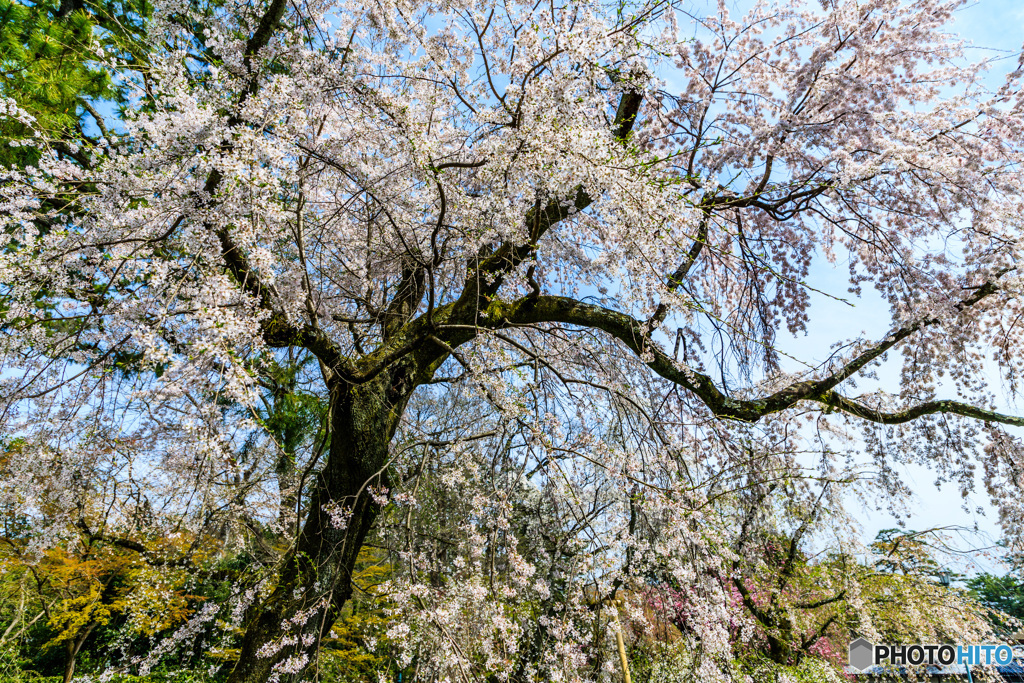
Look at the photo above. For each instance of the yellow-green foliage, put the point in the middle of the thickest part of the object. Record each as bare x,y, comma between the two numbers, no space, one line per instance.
91,586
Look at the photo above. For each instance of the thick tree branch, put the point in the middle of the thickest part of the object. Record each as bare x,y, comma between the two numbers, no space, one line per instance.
264,32
676,279
821,603
817,635
896,417
789,567
410,291
634,334
820,387
486,274
763,616
148,554
277,331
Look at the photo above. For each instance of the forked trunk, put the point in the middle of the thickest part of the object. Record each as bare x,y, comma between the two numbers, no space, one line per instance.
316,578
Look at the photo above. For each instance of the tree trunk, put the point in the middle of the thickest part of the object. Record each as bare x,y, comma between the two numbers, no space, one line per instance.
780,643
71,649
316,579
70,652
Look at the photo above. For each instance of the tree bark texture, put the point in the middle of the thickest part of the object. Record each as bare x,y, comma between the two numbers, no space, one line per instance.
316,577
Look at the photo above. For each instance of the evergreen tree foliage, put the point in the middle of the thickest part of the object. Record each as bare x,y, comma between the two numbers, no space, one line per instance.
54,61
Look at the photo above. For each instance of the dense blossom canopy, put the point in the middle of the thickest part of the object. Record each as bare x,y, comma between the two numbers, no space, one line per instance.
544,251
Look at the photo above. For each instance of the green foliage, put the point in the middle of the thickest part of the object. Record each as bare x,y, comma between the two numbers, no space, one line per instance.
176,676
1004,595
44,61
356,650
13,665
50,60
652,662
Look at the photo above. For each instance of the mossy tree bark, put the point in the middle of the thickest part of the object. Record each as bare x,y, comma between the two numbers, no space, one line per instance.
316,578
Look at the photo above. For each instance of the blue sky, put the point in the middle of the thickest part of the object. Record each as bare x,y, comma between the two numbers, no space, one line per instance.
997,27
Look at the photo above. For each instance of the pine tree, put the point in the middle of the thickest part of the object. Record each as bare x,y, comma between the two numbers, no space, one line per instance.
54,59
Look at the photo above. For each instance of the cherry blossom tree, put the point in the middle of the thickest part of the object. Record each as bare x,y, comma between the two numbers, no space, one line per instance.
577,212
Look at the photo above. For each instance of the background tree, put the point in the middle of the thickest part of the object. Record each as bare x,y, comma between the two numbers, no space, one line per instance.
107,569
1003,596
56,59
